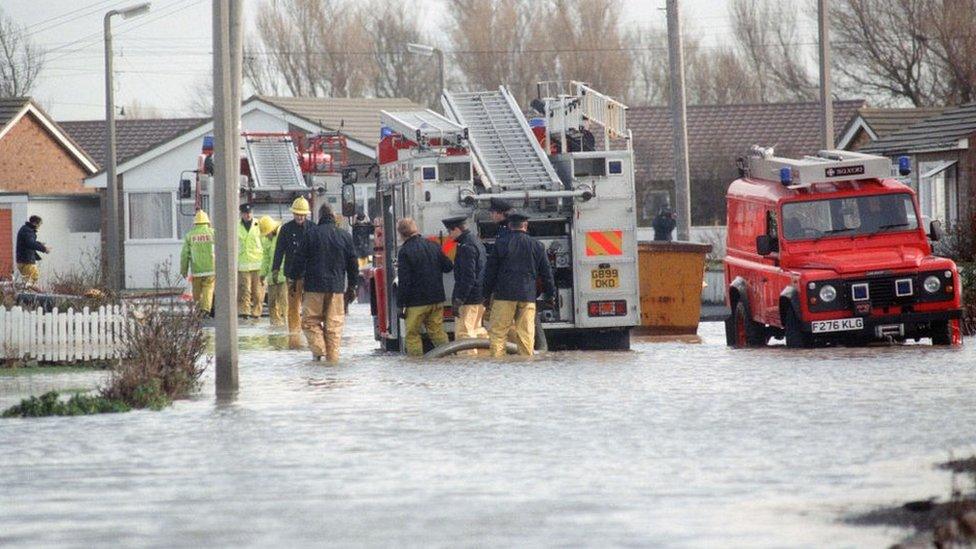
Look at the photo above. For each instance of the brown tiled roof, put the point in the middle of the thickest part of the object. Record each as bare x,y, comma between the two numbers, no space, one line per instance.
943,131
887,121
720,133
9,107
132,137
357,118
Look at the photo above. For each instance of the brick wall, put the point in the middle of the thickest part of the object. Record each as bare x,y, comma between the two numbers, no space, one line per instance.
32,161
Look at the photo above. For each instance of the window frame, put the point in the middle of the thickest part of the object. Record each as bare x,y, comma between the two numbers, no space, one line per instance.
128,218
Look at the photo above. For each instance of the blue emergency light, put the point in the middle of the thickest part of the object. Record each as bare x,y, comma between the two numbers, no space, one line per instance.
785,176
904,165
385,131
208,144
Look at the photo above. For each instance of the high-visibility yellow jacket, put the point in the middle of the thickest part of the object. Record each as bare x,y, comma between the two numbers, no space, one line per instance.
250,250
269,251
198,251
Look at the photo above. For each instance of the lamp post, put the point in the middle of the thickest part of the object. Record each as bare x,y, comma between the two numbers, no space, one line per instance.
113,240
427,51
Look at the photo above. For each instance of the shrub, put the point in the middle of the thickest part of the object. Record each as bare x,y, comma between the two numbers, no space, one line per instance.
50,404
165,345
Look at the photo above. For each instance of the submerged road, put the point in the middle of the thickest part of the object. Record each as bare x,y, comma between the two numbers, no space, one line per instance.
668,445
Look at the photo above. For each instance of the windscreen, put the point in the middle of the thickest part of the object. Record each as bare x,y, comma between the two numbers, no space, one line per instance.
861,215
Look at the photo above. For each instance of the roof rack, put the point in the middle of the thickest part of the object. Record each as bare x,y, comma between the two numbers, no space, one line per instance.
826,166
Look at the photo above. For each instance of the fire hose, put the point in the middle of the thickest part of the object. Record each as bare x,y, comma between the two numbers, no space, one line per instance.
458,345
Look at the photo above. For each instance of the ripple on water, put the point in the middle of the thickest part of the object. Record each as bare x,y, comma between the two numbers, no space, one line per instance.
670,444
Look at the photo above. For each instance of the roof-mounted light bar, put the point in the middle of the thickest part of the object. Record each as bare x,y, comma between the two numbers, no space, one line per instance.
826,166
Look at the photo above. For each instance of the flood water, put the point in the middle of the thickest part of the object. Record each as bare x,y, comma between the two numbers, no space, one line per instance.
668,445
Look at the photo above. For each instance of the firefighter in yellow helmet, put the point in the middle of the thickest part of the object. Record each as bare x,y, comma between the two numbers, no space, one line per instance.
197,261
277,290
290,237
250,252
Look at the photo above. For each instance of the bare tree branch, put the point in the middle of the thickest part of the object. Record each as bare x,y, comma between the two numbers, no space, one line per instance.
21,60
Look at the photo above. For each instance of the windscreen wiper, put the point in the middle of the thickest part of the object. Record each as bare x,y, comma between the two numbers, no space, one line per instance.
888,226
833,231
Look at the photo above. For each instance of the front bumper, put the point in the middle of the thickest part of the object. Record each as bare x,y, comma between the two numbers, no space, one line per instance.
906,325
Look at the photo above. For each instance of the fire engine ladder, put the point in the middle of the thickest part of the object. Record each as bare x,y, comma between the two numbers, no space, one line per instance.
274,163
505,150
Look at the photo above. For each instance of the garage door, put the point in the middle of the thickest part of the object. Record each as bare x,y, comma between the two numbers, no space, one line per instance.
6,245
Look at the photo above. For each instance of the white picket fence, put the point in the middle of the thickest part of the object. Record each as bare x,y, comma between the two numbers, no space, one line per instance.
62,336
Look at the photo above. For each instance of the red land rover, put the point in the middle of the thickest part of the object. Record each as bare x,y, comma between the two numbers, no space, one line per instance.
831,249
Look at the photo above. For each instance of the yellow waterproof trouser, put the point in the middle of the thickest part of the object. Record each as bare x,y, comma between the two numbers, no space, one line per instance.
503,315
30,272
328,311
467,324
277,303
295,290
250,293
203,292
430,317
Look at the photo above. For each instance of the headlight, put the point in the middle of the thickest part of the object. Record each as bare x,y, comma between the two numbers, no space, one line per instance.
932,284
828,293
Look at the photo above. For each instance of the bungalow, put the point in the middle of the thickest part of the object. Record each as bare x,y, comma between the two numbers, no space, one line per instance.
941,148
42,172
871,124
153,154
717,135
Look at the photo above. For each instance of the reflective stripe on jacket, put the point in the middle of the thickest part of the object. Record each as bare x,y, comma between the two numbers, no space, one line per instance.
198,251
250,250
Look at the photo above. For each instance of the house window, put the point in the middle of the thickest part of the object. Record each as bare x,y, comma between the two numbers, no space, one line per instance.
937,190
150,216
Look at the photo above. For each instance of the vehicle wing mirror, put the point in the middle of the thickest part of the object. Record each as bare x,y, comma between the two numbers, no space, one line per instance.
348,200
186,189
936,232
350,176
765,244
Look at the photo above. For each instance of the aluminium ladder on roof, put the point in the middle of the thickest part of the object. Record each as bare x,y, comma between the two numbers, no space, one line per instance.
504,148
274,163
424,125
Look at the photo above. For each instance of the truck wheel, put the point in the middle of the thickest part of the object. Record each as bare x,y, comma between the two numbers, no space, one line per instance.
941,332
741,331
795,337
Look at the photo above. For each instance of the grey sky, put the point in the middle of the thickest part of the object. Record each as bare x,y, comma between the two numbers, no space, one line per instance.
163,54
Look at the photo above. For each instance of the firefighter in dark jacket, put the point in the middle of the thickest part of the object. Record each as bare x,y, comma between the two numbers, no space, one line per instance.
511,279
27,248
468,296
326,263
290,237
420,287
499,214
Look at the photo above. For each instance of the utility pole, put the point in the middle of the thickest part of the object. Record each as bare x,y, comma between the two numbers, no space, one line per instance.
682,181
826,103
227,68
113,245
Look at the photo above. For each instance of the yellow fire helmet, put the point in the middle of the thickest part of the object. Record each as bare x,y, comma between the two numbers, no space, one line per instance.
300,206
201,218
267,225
